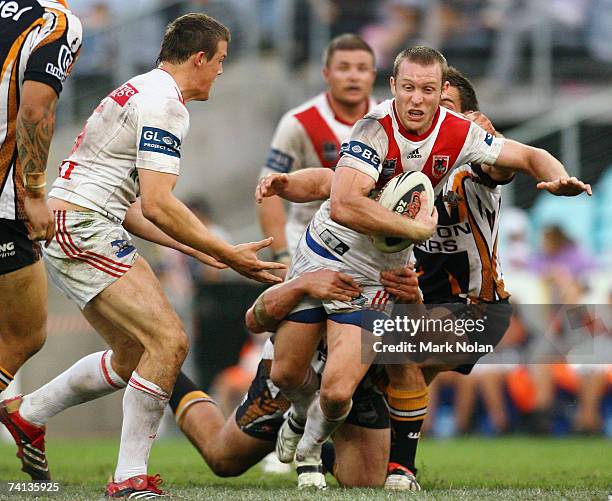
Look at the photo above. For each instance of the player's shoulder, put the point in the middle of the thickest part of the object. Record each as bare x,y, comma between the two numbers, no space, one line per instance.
60,16
381,110
156,90
291,118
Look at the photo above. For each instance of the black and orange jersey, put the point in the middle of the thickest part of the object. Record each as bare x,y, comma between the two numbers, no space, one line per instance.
460,260
39,40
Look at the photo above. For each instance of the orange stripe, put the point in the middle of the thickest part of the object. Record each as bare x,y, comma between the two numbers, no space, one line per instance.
58,31
499,282
6,373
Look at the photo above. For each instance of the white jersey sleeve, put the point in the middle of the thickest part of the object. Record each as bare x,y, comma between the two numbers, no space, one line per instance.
160,130
480,147
287,148
366,149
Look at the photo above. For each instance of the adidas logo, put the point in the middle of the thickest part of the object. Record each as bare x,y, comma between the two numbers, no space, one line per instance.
414,154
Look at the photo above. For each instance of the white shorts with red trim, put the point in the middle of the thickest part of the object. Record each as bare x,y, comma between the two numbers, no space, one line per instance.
310,256
89,252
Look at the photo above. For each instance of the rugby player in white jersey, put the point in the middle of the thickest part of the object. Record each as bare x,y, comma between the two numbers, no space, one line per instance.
409,132
311,134
41,41
130,147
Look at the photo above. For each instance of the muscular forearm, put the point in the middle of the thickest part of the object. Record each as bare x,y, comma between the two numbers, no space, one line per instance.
367,216
33,131
273,305
272,221
307,185
174,219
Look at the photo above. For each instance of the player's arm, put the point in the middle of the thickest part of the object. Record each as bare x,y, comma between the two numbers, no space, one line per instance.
274,304
272,219
140,226
172,217
351,207
305,185
33,131
541,165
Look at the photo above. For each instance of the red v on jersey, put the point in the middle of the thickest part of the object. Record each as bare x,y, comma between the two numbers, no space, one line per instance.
322,137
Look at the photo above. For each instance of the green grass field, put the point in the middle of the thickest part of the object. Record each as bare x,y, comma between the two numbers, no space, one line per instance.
509,468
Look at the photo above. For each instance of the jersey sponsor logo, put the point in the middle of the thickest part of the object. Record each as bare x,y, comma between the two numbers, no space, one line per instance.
388,167
65,58
447,239
330,152
333,242
11,10
160,141
279,161
414,154
123,94
488,139
7,249
440,165
364,153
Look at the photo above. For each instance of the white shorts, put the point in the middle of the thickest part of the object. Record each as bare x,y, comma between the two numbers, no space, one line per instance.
89,252
311,256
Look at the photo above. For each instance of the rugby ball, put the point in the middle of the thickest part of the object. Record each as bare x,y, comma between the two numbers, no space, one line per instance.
402,195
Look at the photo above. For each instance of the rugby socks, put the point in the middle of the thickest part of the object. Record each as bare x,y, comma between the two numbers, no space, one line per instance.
301,399
328,457
317,431
5,379
90,378
407,410
143,407
184,395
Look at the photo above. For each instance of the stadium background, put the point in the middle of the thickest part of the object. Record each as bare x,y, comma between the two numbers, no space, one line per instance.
542,70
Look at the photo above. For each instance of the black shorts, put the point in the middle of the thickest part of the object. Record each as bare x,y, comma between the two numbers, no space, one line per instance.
16,250
262,412
497,321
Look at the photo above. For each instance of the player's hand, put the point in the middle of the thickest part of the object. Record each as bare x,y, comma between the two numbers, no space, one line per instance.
565,187
428,221
243,258
40,219
328,285
481,119
403,283
209,261
272,184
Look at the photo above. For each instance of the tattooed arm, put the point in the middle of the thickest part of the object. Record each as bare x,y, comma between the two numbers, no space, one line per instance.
34,130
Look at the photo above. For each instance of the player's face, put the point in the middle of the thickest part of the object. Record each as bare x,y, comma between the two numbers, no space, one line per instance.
350,76
209,70
417,90
451,99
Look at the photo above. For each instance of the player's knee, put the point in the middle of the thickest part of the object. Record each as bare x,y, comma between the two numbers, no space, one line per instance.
335,400
286,377
177,347
224,467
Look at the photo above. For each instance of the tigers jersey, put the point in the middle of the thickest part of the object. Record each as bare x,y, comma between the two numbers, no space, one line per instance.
307,136
461,258
40,41
380,147
140,125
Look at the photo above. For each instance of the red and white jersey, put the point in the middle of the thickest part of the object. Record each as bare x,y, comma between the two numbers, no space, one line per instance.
140,125
460,259
380,147
309,135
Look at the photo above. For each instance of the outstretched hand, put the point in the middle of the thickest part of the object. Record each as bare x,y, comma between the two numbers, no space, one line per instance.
272,184
565,187
244,260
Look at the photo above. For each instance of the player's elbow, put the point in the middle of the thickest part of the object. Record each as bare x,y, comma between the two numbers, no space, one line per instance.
154,208
251,324
340,211
32,113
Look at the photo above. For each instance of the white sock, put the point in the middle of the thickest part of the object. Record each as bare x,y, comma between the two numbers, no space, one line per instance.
90,378
143,406
301,398
317,431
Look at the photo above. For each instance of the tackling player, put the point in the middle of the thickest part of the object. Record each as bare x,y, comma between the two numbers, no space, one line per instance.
310,135
40,45
410,132
130,147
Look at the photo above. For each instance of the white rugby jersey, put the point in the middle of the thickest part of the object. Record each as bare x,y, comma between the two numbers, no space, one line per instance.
40,40
380,147
461,258
309,135
140,125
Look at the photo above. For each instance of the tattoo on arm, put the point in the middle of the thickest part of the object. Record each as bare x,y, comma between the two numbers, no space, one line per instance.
34,139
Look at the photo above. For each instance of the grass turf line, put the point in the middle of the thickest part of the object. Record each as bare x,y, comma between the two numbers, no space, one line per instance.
508,468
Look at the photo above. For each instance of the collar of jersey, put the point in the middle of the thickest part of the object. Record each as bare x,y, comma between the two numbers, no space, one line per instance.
415,137
176,87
